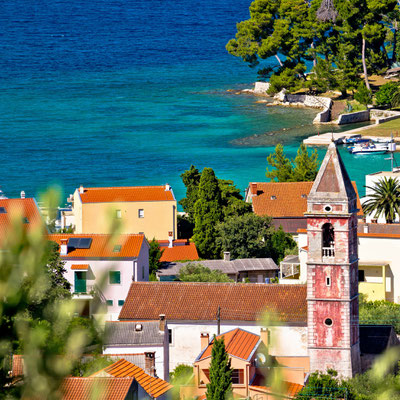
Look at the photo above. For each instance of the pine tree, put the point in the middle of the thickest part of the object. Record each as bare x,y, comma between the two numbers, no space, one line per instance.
207,213
283,171
305,166
191,179
220,386
155,254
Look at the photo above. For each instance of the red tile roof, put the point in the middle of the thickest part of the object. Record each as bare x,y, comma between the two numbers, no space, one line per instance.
128,193
101,246
199,301
155,387
95,388
182,250
80,266
19,208
238,343
288,389
285,199
17,366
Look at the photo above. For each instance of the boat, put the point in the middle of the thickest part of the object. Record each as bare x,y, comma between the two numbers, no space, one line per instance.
369,148
355,140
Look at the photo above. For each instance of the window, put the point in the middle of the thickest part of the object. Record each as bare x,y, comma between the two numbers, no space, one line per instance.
3,210
237,376
121,302
109,302
361,275
142,272
117,248
328,281
170,336
141,213
25,220
328,322
114,277
118,214
328,240
206,372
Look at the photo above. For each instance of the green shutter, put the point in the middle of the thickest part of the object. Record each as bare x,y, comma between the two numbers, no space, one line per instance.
115,277
80,281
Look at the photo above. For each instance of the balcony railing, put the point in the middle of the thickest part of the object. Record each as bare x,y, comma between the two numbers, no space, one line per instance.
328,251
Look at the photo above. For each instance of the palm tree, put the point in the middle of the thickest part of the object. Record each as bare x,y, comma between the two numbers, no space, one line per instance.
385,199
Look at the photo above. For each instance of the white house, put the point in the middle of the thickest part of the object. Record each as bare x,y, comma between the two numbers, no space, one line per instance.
192,309
133,337
100,269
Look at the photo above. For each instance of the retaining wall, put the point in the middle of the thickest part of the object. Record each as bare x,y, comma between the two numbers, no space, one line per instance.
350,118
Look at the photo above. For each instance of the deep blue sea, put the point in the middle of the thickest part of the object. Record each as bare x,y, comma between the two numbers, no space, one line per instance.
129,92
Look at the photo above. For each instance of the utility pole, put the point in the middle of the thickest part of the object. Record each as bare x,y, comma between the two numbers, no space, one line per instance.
219,320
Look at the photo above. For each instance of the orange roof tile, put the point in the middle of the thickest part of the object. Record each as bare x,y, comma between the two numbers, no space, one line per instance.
95,388
27,209
155,387
238,343
285,199
101,246
182,250
289,389
17,365
200,301
128,193
80,266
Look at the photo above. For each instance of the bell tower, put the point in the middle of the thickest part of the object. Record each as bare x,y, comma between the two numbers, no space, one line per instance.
332,270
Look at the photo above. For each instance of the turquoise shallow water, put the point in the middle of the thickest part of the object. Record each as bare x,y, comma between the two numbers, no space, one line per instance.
133,93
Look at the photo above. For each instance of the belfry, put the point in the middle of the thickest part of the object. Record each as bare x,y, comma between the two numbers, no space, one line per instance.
332,270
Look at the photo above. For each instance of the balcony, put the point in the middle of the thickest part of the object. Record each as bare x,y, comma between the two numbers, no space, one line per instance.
88,292
328,252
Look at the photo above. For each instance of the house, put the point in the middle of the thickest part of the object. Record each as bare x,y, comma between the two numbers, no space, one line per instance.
100,268
256,270
285,202
379,264
318,320
177,250
23,209
148,210
252,368
148,337
146,386
191,308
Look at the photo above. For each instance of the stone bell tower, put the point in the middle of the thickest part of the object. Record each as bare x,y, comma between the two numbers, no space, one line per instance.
332,270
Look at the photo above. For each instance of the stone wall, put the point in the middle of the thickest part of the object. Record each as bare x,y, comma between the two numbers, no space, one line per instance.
380,116
350,118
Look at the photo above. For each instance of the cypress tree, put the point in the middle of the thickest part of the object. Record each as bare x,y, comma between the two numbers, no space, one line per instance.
208,213
306,165
220,386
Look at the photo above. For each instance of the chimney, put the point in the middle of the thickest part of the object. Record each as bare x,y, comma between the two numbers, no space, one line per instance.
204,340
167,187
170,239
366,228
162,323
81,189
22,194
149,363
64,247
265,336
253,188
227,256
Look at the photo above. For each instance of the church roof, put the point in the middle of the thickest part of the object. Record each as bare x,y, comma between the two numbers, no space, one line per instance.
332,182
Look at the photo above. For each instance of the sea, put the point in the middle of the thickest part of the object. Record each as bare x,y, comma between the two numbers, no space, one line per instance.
129,92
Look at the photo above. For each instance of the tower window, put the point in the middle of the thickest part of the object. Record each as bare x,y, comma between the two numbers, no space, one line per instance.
328,281
328,240
328,322
328,208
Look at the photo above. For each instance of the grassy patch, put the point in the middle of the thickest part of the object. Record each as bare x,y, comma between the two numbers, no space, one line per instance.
385,129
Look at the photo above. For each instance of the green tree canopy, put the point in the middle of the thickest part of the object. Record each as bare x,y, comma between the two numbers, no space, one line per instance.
384,200
303,168
191,180
363,95
387,93
155,254
220,386
195,272
208,213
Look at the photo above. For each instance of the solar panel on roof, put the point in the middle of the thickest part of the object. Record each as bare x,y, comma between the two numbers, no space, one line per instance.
80,243
3,210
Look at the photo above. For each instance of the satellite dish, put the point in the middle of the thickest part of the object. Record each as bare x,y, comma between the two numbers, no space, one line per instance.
261,359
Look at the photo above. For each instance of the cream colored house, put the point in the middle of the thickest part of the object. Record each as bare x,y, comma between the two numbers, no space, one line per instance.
148,210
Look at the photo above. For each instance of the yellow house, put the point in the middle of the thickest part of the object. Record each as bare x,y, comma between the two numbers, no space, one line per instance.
149,210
